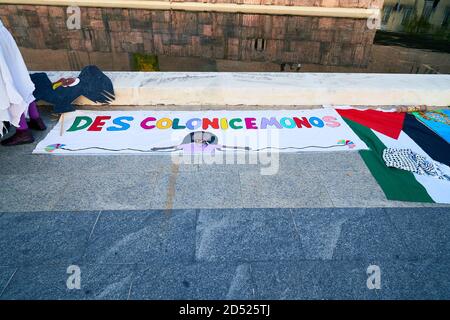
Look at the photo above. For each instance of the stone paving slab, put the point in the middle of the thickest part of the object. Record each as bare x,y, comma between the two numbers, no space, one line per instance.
72,166
143,237
351,188
193,281
44,237
320,230
370,236
114,191
44,282
322,161
348,280
282,191
6,273
247,235
417,280
231,167
311,280
204,190
426,231
31,192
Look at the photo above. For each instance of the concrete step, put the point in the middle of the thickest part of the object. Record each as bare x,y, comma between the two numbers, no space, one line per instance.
175,90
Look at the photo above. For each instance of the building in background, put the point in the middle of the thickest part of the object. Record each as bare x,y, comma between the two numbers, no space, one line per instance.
417,16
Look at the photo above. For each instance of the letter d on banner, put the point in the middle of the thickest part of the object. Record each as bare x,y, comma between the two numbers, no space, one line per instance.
78,125
374,280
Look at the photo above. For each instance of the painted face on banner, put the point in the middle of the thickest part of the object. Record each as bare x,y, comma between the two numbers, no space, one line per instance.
66,82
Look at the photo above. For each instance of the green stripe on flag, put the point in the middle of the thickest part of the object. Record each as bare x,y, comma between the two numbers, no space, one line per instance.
396,184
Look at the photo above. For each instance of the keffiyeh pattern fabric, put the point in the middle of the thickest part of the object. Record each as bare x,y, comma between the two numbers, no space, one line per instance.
408,160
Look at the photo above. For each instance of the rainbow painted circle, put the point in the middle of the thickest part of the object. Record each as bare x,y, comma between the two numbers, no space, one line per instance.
348,143
54,147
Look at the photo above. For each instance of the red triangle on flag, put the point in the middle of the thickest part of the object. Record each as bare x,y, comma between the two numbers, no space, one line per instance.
387,123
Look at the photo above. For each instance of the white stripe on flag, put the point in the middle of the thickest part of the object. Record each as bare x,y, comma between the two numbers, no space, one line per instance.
439,190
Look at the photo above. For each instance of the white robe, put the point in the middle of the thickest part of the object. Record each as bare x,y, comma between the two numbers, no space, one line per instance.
16,87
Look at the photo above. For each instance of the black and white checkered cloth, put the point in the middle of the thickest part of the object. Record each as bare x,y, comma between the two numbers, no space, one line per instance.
408,160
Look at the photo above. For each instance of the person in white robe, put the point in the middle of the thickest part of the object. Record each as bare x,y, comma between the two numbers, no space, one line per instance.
16,93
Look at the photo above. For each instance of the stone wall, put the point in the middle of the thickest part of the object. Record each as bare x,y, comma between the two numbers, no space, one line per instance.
229,36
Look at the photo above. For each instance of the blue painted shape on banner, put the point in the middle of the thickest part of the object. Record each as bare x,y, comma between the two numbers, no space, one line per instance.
436,120
92,83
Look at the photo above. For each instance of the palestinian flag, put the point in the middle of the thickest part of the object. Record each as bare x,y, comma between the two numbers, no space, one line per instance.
381,130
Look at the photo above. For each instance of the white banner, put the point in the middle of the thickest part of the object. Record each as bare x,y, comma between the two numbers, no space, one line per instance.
153,132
